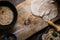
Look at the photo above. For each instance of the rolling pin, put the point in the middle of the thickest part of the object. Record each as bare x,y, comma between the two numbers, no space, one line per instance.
54,25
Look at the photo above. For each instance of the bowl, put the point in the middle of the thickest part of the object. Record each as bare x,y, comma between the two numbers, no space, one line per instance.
8,27
10,36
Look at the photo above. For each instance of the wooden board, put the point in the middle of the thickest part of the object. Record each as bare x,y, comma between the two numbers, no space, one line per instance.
36,24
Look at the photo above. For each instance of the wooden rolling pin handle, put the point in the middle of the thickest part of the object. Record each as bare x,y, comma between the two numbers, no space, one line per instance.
54,25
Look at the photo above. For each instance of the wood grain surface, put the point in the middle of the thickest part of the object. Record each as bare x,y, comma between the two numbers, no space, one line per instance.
36,24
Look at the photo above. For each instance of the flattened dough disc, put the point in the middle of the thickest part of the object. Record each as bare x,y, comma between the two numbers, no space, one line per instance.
38,8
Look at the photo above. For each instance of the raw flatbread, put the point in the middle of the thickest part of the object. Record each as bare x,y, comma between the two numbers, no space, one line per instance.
38,8
6,15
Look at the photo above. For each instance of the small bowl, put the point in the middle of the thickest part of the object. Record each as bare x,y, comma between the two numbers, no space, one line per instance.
10,36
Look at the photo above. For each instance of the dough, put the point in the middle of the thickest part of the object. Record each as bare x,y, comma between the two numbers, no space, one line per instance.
39,7
6,15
